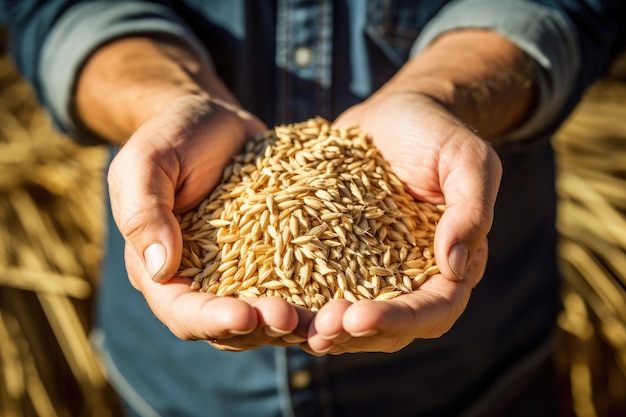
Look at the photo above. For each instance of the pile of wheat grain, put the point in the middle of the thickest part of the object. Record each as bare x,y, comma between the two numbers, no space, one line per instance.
310,213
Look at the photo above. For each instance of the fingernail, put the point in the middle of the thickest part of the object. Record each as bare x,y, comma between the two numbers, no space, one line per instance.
330,337
240,332
274,332
366,333
459,255
322,352
154,256
293,338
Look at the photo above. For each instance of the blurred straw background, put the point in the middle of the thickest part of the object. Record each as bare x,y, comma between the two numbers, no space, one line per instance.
591,157
51,210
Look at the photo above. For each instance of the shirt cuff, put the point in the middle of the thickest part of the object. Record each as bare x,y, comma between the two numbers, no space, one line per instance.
79,32
543,33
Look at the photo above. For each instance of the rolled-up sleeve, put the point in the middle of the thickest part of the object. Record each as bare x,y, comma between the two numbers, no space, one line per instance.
80,31
546,35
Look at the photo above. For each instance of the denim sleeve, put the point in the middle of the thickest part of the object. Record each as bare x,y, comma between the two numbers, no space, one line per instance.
28,22
68,38
551,33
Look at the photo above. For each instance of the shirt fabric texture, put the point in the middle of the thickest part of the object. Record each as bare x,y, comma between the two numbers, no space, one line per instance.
287,61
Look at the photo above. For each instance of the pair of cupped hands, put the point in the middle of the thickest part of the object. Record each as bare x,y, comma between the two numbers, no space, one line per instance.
177,157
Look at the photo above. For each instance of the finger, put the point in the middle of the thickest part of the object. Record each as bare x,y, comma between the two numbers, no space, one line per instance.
168,166
142,200
327,327
470,174
305,318
326,322
224,346
249,341
477,264
388,326
199,315
276,316
278,326
428,312
300,333
192,315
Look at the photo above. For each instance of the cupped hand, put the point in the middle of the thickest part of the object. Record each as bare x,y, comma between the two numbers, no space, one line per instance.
388,326
441,161
227,323
168,166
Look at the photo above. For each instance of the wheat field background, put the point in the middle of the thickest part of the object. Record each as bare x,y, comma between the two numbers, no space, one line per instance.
51,212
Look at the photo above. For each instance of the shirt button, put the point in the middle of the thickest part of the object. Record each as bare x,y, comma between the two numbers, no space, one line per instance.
303,56
300,379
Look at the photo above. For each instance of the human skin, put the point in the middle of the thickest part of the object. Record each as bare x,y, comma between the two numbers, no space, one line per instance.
179,126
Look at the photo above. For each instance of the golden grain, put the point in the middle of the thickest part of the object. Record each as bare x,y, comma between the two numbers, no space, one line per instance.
309,213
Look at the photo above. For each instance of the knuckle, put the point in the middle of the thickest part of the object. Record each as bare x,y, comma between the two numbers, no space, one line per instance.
132,223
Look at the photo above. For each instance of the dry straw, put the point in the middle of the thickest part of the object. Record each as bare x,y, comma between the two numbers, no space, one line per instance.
310,213
591,156
51,210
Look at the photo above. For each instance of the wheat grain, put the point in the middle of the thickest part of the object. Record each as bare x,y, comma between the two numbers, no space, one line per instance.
309,213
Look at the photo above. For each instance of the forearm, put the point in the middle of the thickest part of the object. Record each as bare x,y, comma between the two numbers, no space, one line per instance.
129,80
480,76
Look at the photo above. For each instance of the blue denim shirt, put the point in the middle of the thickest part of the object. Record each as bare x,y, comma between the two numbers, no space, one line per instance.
287,61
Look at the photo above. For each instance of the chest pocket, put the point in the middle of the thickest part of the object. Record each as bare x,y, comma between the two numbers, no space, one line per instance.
394,25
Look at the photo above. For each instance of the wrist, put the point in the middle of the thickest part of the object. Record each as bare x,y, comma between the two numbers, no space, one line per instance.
474,74
126,82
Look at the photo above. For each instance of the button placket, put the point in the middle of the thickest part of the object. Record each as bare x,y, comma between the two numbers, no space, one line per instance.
303,56
300,379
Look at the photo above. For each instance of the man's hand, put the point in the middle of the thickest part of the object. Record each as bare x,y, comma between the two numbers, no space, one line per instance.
441,161
179,127
388,326
169,165
420,120
184,126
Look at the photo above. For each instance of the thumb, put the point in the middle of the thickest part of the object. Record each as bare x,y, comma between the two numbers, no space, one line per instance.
470,189
142,201
158,242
